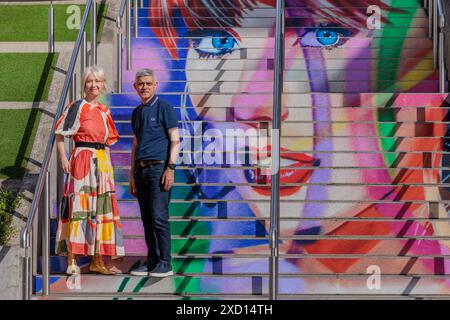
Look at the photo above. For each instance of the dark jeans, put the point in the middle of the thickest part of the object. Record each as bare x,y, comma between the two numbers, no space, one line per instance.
154,204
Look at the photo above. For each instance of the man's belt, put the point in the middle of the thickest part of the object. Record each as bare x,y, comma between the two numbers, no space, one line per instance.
93,145
149,163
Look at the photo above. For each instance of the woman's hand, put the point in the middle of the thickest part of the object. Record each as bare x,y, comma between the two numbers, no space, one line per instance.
65,165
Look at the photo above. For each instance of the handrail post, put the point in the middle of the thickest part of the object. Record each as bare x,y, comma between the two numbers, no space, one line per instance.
442,67
435,34
94,33
46,237
119,62
51,29
73,98
84,56
128,35
136,19
441,63
276,139
26,267
430,18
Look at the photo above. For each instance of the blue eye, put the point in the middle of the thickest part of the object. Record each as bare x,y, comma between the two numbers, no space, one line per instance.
325,37
214,43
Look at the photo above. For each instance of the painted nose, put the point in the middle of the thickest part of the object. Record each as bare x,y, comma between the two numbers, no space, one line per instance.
256,103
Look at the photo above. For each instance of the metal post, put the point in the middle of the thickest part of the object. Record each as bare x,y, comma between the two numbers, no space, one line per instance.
84,55
27,273
128,35
94,33
442,71
59,182
72,98
276,136
136,18
430,18
119,63
51,29
46,237
435,34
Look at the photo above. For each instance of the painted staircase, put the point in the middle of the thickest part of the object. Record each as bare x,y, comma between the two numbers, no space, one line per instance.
364,164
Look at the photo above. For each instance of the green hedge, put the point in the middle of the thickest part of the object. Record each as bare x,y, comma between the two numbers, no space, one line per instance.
8,203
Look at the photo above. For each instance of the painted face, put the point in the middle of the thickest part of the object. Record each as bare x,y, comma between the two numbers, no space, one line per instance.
238,64
227,74
329,141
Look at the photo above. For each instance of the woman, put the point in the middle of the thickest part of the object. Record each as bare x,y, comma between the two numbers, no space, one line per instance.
89,222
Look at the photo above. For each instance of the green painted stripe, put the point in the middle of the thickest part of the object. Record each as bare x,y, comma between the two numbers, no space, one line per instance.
389,69
122,285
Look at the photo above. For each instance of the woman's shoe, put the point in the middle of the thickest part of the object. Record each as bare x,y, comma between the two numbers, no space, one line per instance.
97,265
72,268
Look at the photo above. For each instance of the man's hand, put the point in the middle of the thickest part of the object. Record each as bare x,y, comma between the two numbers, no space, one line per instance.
132,187
167,179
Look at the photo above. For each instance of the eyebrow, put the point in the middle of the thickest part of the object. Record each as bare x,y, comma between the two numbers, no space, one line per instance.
198,14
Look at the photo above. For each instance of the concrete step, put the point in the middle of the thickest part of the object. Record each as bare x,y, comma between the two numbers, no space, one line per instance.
222,209
267,32
362,100
221,228
291,75
304,86
248,285
212,176
356,43
409,131
412,266
265,20
159,297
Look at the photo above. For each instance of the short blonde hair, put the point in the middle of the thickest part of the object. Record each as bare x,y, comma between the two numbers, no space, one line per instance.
98,73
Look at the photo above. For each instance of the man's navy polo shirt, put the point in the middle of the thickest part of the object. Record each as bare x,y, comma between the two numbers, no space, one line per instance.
150,124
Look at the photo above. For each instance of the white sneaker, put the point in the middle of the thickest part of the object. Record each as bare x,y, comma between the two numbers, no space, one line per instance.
141,271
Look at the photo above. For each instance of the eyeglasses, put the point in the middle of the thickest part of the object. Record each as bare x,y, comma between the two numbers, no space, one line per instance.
147,84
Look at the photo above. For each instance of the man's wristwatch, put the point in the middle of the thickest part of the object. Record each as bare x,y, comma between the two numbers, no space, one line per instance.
171,166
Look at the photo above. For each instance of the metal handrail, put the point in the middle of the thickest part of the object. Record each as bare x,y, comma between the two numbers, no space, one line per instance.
125,5
276,142
44,173
441,46
437,19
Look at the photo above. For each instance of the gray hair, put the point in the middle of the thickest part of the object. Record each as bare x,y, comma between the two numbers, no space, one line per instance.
144,73
98,73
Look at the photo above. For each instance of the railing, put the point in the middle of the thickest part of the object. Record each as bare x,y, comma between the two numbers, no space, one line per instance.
125,9
437,26
42,192
276,139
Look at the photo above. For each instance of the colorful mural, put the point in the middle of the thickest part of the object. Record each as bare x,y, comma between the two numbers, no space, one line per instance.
364,168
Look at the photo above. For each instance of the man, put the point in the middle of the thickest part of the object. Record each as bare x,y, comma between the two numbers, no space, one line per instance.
154,153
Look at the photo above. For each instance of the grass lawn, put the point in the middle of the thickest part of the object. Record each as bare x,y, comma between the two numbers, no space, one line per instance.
18,130
26,76
30,22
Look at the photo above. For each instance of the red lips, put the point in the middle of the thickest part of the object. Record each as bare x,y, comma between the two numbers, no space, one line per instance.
287,176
